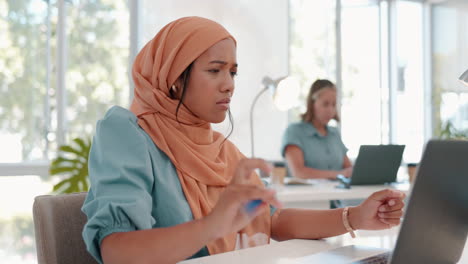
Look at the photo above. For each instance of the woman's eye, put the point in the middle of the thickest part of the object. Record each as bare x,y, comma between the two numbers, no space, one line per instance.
233,73
214,70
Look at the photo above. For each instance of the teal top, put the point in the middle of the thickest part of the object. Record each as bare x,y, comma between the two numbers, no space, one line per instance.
134,185
320,152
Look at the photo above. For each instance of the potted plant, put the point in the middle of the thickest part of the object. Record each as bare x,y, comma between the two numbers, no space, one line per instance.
71,165
449,131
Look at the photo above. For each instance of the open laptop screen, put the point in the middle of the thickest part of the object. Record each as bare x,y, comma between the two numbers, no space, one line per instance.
375,164
435,225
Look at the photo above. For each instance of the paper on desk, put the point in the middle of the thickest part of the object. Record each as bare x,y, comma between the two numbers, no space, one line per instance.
298,181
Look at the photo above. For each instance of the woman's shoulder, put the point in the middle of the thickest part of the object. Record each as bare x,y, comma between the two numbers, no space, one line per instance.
117,125
117,115
298,126
118,120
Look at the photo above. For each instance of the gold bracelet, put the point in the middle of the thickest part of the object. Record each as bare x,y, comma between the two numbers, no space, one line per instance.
346,222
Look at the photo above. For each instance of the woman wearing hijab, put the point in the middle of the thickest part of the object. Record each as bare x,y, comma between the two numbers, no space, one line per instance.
166,187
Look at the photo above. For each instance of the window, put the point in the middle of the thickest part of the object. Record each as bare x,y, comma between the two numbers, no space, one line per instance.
17,242
94,66
97,34
376,61
312,48
313,55
23,80
450,60
362,93
409,108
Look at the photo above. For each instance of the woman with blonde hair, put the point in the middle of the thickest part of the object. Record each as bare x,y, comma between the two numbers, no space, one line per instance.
312,148
166,187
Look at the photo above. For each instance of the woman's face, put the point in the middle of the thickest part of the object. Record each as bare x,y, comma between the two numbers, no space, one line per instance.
211,82
325,106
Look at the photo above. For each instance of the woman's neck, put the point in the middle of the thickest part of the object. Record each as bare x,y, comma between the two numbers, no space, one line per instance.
321,128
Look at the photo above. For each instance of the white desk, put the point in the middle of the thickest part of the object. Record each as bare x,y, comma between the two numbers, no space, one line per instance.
287,252
317,195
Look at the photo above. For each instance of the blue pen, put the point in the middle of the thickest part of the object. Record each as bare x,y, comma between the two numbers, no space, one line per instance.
252,205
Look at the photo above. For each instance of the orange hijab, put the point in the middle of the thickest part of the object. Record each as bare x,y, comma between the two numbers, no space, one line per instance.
204,163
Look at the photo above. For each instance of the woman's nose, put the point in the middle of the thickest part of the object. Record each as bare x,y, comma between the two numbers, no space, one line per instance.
228,84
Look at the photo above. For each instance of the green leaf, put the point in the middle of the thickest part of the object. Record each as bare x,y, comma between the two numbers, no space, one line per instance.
61,160
59,185
85,185
59,170
449,131
69,189
80,143
70,149
72,166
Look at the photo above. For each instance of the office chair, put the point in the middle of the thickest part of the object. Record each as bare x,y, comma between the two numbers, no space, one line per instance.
58,223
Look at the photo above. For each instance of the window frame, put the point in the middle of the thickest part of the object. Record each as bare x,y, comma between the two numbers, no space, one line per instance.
388,73
41,168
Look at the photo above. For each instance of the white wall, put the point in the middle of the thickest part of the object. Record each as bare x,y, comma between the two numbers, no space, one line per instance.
261,30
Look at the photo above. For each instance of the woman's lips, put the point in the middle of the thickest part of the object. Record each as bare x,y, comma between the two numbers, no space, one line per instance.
224,104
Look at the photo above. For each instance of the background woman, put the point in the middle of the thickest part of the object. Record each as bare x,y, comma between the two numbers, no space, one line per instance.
312,148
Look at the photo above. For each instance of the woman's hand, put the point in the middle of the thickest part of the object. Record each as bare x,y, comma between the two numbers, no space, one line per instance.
229,214
381,210
347,172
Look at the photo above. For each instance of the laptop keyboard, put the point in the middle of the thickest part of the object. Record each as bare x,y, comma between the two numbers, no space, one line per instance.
377,259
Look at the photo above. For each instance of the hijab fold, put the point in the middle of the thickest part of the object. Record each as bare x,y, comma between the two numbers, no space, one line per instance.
204,160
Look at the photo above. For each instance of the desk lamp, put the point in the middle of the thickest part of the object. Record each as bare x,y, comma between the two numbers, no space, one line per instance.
284,91
464,78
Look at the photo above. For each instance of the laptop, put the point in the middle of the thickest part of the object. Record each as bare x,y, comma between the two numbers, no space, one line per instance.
435,225
375,164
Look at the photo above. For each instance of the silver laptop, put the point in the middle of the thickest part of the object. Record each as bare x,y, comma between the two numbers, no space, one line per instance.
375,164
435,224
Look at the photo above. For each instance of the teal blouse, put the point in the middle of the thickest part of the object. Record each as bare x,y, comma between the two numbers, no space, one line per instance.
320,152
134,185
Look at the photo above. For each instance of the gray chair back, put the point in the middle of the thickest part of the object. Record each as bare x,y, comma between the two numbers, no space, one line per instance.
58,223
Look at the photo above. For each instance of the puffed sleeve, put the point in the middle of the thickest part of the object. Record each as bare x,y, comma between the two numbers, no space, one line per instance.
120,172
292,136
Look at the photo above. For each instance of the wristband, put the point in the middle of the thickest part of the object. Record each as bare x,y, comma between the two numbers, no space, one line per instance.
346,222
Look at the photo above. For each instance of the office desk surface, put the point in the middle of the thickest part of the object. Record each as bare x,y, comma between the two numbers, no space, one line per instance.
322,190
287,252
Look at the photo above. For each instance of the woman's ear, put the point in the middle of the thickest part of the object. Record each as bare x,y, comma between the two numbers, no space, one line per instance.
175,91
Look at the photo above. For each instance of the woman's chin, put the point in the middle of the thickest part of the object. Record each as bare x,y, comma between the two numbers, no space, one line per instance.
218,118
